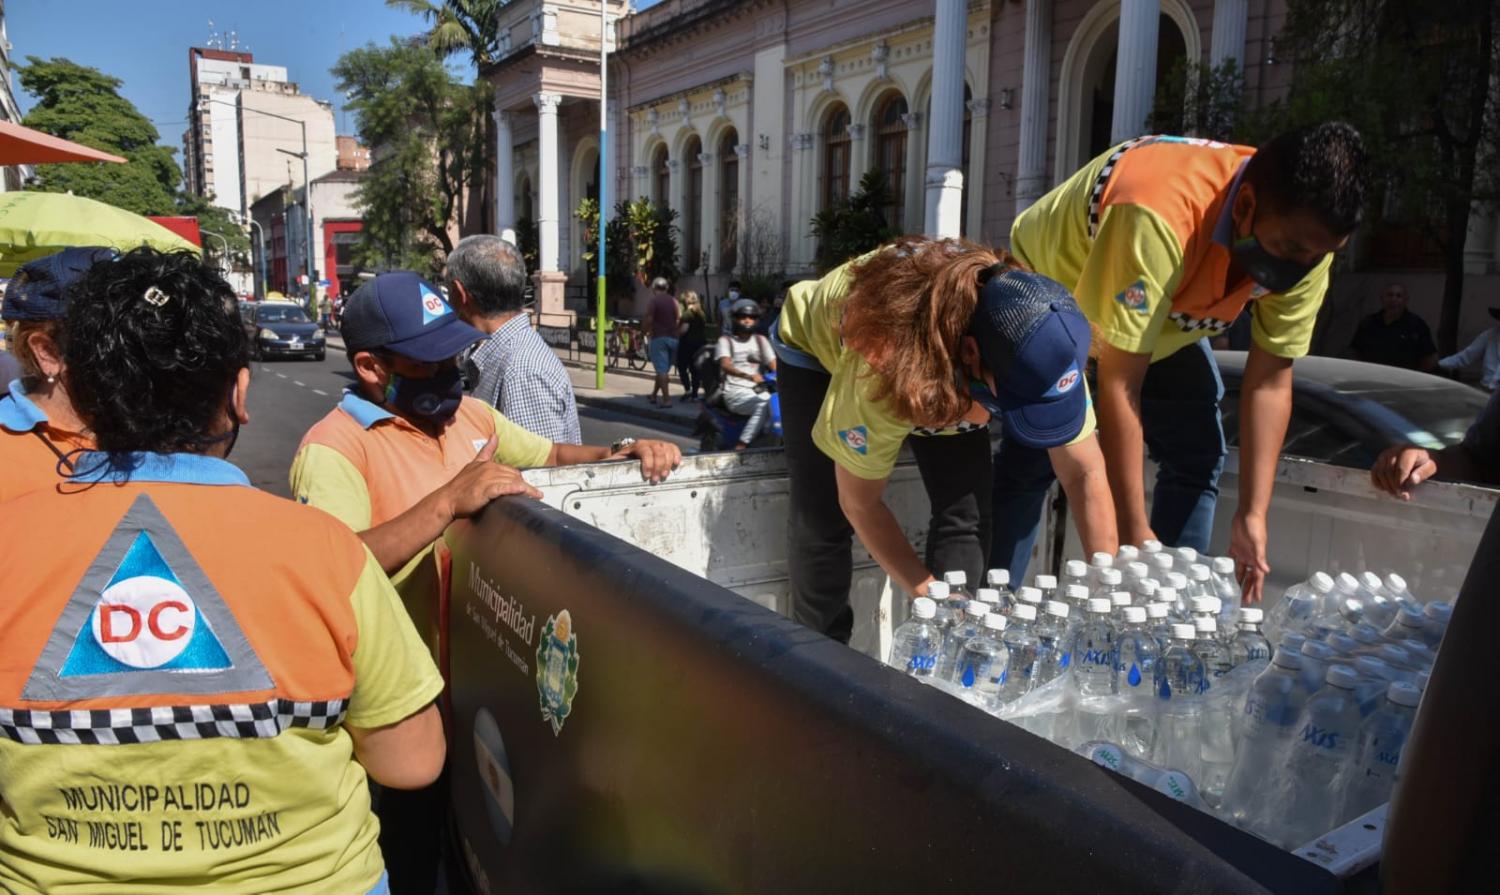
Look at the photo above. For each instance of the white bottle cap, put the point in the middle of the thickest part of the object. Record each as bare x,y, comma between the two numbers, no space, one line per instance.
1075,568
1187,554
1293,641
1316,649
1078,592
1223,565
922,607
1151,545
1128,553
1119,598
938,590
1110,577
1025,612
1184,632
1203,604
1200,572
1135,615
956,579
1419,651
1369,666
1372,581
1100,605
1395,583
1395,655
1402,693
1366,634
1057,608
1031,595
1138,570
1342,676
1286,658
1166,595
1101,560
1177,580
987,595
1205,625
1321,582
1252,615
995,621
1046,582
1156,610
1423,677
1438,611
975,609
1162,561
997,577
1410,617
1346,582
1340,642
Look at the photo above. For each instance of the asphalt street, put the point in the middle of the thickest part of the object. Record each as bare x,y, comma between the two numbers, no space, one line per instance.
288,396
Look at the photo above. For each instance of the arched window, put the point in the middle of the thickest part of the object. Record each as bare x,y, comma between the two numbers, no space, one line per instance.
890,154
835,156
729,200
661,178
692,200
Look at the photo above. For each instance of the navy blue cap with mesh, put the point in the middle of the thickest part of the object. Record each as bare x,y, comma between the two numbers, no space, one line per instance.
406,315
39,289
1035,340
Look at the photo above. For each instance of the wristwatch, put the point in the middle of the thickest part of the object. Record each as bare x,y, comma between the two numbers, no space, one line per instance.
621,445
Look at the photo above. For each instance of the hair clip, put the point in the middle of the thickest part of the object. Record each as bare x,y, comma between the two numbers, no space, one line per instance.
155,296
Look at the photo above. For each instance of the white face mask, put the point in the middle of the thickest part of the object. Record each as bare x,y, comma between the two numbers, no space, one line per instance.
734,294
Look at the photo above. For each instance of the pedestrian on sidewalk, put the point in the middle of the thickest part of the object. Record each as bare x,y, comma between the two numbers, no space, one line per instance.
745,356
285,671
662,318
1484,351
726,304
512,370
692,332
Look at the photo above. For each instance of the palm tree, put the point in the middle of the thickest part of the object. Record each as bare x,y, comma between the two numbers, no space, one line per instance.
459,25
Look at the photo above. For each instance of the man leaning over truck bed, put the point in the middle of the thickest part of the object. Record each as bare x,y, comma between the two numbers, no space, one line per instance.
402,456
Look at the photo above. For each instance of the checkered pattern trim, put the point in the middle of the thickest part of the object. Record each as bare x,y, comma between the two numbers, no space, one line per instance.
1210,325
959,428
1103,180
110,727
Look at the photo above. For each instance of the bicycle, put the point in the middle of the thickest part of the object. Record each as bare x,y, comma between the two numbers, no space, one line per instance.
626,341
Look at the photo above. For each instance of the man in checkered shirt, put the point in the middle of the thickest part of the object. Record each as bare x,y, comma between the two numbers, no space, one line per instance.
513,370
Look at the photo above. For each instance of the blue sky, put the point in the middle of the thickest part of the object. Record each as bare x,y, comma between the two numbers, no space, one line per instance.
145,43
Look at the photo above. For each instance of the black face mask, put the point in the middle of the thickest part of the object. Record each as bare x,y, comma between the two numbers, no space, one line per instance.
744,327
1272,273
435,398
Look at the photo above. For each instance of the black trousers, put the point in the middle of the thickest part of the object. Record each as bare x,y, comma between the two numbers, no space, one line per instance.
956,472
686,348
412,824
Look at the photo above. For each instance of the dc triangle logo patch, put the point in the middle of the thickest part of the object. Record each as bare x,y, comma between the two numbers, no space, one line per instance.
145,620
433,306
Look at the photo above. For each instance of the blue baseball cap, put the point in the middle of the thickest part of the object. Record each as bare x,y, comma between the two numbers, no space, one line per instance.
38,290
406,315
1035,340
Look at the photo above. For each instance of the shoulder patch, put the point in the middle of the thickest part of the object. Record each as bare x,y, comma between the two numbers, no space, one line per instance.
1134,297
145,619
857,438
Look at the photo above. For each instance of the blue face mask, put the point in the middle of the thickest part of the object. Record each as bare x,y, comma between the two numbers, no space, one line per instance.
985,398
435,398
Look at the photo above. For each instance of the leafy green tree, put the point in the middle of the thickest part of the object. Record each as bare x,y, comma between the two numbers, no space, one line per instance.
459,26
214,219
84,105
1199,100
426,132
641,241
853,226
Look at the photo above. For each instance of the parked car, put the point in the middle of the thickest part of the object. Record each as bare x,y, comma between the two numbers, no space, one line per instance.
282,329
1346,412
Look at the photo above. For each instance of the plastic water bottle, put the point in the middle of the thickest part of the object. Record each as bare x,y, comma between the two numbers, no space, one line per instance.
1119,601
1075,573
1031,596
1098,562
999,579
1179,675
989,597
1161,565
948,614
960,634
916,643
1170,781
1077,598
1200,581
1128,553
1203,607
1375,677
1347,602
1263,731
1297,607
1093,651
1107,581
1408,623
1136,654
958,585
1396,589
1186,556
1249,644
1380,609
1021,644
1180,671
1227,589
1419,652
1168,595
1377,753
1134,573
1400,661
1052,657
1367,636
1422,678
1316,659
1213,652
982,662
1145,591
1320,751
1437,614
1159,622
1151,545
1292,641
1047,584
1345,648
1179,583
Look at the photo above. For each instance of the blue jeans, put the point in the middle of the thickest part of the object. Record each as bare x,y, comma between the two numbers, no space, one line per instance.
1184,435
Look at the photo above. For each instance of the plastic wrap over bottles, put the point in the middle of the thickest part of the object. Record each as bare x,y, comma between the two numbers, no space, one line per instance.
1169,781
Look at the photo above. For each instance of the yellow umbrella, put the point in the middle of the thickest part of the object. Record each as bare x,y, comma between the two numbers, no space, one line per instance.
34,225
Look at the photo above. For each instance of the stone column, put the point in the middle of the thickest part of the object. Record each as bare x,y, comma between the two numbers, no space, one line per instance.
549,280
505,178
1228,40
708,212
1135,68
1036,76
675,201
945,175
742,212
859,154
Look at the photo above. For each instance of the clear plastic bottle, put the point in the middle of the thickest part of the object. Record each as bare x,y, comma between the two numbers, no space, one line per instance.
1134,573
1052,647
960,634
1227,589
1316,659
1345,648
1292,641
1437,614
1374,678
1128,553
1321,750
1021,644
1077,598
1151,545
999,579
1093,651
1047,584
1107,581
1347,602
949,611
1169,781
1422,678
1186,556
1380,609
1400,661
916,643
1168,595
1203,607
1075,572
1178,582
1179,720
1213,652
1377,753
1136,654
982,662
958,584
1409,622
1098,562
1031,596
1396,589
1145,591
1367,636
991,598
1200,581
1161,565
1419,652
1159,622
1297,607
1250,645
1119,601
1263,732
1180,671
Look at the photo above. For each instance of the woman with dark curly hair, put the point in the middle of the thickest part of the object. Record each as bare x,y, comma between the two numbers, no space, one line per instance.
209,711
930,339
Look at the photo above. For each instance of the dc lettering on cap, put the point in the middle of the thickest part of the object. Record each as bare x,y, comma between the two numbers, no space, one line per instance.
433,306
1066,383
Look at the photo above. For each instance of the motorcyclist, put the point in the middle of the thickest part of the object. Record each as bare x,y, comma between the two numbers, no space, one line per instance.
744,357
